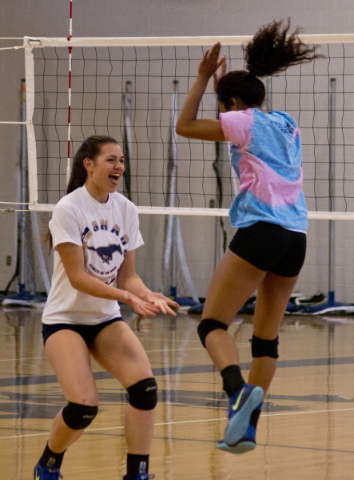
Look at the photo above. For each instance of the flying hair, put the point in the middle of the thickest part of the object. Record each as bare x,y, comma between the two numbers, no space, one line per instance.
270,51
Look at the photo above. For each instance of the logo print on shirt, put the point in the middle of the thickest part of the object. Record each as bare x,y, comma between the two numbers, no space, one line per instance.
106,253
287,128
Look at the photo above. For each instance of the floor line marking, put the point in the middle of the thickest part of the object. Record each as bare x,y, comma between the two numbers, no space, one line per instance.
190,421
147,351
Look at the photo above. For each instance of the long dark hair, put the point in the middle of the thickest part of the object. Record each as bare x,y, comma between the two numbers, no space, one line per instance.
269,52
90,148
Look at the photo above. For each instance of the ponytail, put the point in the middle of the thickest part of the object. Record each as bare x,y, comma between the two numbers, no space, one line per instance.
270,51
90,148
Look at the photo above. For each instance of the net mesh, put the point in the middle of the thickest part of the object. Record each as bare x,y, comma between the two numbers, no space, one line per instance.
99,78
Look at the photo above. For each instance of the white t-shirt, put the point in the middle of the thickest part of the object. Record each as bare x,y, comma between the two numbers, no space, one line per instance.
106,231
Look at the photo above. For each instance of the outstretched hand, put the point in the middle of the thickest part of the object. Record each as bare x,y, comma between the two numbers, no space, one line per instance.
211,62
163,303
141,307
151,304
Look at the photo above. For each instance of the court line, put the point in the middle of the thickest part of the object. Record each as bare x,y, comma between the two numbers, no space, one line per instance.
183,369
147,351
190,421
20,359
306,362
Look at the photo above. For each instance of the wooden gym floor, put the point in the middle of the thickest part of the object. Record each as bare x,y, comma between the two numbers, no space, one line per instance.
305,430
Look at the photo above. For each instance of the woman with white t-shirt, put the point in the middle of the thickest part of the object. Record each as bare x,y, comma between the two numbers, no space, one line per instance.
94,231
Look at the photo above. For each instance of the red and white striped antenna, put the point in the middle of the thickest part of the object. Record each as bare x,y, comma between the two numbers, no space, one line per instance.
68,168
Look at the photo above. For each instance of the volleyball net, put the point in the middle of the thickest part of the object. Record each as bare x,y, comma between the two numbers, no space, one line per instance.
113,76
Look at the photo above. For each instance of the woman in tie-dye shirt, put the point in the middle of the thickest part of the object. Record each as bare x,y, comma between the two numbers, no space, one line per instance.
268,249
266,155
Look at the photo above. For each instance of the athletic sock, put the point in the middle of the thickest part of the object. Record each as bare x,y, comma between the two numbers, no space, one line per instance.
232,379
136,464
51,459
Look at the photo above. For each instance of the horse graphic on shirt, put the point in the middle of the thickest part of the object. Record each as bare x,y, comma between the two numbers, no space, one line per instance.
106,253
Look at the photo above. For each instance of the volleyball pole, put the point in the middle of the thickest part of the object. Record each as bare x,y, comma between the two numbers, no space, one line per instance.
220,233
23,298
331,306
174,243
127,137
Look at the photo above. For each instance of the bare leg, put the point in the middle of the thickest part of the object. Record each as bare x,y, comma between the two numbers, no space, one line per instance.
61,436
70,359
233,282
272,298
118,350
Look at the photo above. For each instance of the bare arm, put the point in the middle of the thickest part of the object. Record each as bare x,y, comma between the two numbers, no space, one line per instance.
72,257
187,124
129,280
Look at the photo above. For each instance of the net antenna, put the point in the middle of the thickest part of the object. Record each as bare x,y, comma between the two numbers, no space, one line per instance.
127,138
68,168
174,251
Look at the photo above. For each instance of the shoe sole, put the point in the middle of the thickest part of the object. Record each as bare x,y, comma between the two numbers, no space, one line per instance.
35,476
238,424
241,447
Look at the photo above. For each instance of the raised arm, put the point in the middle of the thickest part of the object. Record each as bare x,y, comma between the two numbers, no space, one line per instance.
187,124
72,257
129,280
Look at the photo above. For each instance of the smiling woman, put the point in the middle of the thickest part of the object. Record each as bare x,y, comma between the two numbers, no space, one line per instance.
95,232
104,172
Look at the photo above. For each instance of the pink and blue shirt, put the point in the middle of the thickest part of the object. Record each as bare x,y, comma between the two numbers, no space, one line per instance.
266,155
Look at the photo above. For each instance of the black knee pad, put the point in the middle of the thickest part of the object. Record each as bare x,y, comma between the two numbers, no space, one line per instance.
264,348
143,395
208,325
78,416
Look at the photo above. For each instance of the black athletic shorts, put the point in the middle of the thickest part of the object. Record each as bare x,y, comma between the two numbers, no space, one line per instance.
88,332
271,248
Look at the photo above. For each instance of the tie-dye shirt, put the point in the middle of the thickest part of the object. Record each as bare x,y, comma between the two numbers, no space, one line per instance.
266,155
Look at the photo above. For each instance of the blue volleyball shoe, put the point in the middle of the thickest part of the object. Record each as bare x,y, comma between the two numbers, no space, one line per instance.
142,476
242,405
246,444
46,473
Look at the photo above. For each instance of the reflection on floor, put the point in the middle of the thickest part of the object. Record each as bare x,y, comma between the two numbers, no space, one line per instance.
305,430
